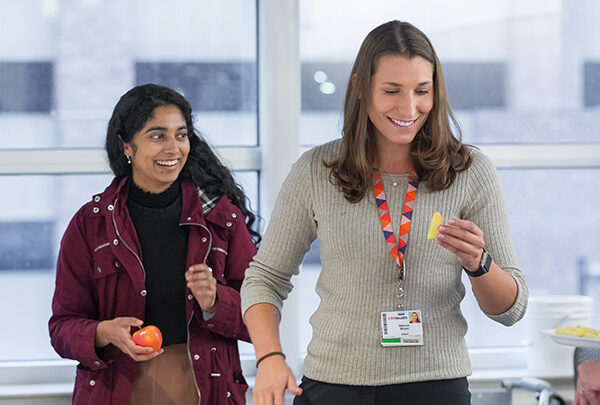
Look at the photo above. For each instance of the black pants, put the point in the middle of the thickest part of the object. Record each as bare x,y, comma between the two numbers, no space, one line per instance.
443,392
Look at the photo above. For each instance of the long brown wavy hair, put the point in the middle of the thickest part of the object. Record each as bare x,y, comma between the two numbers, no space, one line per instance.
437,153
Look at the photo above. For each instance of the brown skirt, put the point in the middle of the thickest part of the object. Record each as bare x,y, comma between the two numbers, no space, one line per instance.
166,380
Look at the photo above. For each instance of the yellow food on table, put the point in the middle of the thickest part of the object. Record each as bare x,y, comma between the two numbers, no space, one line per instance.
436,221
581,331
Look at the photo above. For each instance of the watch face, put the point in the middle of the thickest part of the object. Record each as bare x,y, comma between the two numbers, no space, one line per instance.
486,261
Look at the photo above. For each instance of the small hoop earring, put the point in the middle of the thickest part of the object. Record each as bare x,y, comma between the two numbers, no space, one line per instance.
128,159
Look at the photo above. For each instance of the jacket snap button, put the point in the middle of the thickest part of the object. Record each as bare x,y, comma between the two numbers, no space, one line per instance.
97,198
99,270
190,297
143,293
213,349
228,224
233,215
189,218
96,363
117,264
111,207
228,394
95,210
204,240
210,325
115,242
92,383
196,357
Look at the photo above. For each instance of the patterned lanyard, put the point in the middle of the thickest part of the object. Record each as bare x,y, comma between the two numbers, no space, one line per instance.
396,250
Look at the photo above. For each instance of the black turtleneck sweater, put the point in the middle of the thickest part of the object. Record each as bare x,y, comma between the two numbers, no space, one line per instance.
164,250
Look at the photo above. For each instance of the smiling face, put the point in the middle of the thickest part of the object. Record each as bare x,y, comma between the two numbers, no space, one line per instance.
159,150
401,99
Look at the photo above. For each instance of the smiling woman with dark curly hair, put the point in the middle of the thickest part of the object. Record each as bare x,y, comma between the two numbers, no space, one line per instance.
167,244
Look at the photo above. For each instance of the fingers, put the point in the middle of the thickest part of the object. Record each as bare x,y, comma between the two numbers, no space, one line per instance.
115,330
292,386
266,394
129,321
272,379
203,285
200,276
268,397
145,355
464,239
200,268
464,231
591,397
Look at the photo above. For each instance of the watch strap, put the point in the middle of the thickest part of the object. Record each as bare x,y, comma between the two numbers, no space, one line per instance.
484,267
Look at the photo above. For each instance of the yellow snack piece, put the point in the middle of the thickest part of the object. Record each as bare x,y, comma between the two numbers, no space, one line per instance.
436,221
585,329
569,331
580,331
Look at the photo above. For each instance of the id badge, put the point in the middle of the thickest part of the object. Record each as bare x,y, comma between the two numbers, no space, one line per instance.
402,328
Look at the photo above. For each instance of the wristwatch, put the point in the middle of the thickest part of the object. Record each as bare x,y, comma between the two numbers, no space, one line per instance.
484,267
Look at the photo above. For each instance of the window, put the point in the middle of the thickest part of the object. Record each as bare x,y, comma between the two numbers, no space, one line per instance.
592,84
60,76
26,86
63,78
40,208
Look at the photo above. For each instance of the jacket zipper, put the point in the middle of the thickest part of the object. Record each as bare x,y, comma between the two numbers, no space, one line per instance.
144,271
123,241
192,317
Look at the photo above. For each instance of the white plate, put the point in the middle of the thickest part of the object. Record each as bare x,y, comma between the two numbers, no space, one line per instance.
572,340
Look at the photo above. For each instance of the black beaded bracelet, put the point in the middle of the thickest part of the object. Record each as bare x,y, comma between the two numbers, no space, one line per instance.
269,355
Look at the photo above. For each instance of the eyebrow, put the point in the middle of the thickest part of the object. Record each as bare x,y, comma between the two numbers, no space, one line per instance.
163,128
399,85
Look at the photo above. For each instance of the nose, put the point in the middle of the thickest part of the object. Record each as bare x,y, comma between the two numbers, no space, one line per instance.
407,106
170,144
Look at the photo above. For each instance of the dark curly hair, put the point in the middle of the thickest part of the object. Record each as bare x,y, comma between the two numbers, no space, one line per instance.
203,168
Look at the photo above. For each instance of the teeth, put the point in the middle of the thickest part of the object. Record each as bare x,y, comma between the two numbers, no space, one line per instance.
167,162
402,123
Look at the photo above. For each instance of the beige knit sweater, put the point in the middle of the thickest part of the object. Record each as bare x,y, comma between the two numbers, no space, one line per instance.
357,279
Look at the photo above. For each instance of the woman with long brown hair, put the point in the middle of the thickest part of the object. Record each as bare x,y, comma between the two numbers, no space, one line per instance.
369,198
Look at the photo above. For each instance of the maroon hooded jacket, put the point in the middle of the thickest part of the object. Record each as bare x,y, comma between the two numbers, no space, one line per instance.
100,276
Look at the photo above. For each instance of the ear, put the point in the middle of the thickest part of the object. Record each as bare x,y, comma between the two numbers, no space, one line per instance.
127,149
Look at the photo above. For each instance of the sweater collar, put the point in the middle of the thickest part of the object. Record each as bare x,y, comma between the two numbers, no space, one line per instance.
154,200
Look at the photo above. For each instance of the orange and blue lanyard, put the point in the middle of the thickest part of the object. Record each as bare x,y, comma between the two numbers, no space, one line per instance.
396,250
